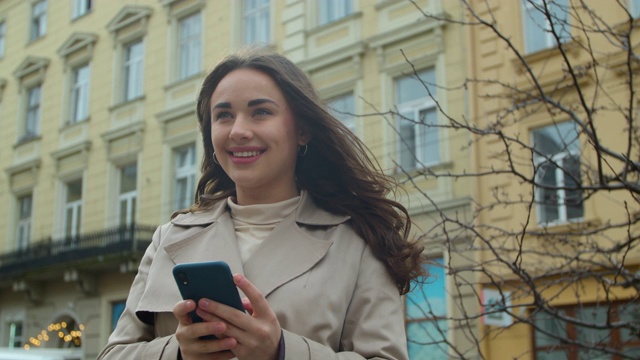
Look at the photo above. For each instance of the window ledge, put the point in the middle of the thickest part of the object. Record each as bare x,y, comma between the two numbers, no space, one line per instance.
68,125
337,22
570,225
35,40
81,16
422,170
126,103
571,47
385,3
27,139
197,76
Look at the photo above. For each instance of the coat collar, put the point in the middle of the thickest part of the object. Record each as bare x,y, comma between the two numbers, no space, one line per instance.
307,213
288,251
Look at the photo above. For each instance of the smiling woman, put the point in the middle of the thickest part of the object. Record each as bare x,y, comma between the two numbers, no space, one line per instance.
291,200
255,137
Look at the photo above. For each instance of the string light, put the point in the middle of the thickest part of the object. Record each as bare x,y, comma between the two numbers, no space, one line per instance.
56,331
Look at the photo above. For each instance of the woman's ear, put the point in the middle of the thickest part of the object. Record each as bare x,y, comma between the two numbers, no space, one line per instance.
303,137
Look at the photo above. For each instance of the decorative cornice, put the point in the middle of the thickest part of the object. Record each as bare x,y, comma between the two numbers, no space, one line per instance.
31,65
129,15
70,150
77,41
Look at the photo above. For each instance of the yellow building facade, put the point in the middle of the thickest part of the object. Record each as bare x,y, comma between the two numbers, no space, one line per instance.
99,141
556,201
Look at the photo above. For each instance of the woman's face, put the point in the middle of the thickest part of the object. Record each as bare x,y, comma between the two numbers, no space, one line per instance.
255,136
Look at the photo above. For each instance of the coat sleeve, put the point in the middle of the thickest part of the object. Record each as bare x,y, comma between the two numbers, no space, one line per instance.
133,338
373,326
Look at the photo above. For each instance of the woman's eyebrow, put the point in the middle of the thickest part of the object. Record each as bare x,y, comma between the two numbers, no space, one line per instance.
260,101
222,105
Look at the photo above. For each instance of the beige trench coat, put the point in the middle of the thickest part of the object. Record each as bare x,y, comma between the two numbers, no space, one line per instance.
333,298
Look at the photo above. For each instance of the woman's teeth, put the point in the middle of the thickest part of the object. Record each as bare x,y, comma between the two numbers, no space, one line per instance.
246,153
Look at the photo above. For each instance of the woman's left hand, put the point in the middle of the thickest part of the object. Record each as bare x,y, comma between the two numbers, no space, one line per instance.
257,332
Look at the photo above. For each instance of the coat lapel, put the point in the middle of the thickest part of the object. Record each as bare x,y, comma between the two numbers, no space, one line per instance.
290,251
211,238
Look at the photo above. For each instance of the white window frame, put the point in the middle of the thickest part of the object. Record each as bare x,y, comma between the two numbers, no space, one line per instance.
80,8
133,71
38,19
189,45
128,27
348,120
75,207
3,35
79,96
23,226
333,10
556,159
13,338
33,112
256,22
421,131
129,198
187,172
533,30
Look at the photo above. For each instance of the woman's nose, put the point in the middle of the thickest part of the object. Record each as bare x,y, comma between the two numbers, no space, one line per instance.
241,128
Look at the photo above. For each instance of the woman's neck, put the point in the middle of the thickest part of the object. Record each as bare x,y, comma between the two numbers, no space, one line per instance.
248,197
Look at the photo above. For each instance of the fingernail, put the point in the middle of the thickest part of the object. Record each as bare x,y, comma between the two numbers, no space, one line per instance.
229,342
205,303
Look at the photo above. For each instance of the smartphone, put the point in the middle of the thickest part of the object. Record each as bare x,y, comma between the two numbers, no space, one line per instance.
212,280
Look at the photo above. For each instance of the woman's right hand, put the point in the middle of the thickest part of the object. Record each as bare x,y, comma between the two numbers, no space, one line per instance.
188,334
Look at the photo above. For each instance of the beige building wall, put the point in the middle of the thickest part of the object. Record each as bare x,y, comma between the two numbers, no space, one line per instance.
488,102
358,54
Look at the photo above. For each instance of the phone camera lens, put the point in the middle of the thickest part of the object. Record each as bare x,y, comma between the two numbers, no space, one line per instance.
182,277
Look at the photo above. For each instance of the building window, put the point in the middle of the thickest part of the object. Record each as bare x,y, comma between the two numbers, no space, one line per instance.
127,194
332,10
117,308
80,94
185,175
190,45
418,145
342,108
72,209
537,26
3,33
32,120
557,173
23,229
634,8
133,70
593,326
257,21
426,315
38,19
80,8
15,335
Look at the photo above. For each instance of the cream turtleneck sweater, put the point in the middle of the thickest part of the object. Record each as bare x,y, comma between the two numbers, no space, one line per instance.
253,223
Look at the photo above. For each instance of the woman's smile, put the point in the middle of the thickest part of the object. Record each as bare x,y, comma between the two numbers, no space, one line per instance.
245,156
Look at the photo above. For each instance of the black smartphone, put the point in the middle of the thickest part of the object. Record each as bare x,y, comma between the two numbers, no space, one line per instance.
211,280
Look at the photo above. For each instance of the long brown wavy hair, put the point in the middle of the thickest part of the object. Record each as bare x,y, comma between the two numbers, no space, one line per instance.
336,170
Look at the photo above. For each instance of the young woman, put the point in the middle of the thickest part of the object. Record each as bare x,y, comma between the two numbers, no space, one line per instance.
291,200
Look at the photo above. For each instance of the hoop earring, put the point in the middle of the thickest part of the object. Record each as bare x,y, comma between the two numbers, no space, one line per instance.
215,160
306,147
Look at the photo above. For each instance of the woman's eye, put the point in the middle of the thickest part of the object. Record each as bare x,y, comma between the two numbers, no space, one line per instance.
222,115
259,112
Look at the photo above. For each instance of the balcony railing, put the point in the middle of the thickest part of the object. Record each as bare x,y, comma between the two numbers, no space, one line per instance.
121,241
